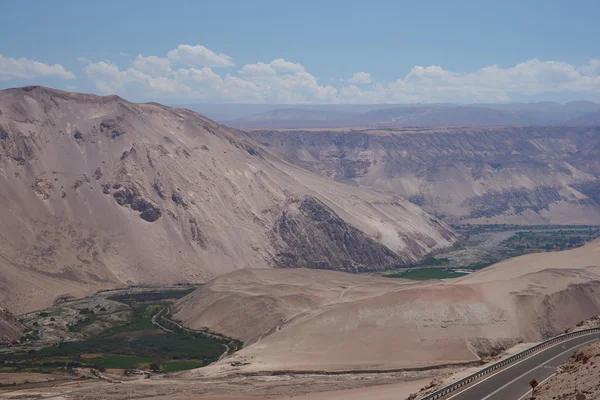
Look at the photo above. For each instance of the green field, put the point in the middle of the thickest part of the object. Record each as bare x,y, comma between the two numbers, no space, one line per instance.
119,362
525,240
152,297
137,343
535,241
421,274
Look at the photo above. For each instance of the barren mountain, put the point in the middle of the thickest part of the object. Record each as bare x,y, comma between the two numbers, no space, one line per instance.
318,320
285,117
522,175
544,113
99,192
592,118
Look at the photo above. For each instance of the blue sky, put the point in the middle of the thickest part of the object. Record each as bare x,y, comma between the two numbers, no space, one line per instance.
306,51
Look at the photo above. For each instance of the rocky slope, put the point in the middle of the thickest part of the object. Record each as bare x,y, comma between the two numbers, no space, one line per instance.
577,379
10,329
522,175
325,320
99,192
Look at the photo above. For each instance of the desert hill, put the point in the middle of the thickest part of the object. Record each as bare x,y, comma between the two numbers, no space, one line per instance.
337,322
99,192
517,175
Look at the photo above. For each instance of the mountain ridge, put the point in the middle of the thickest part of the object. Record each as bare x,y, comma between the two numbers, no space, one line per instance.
99,192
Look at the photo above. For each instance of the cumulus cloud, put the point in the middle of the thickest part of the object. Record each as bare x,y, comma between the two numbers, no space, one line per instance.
258,69
282,65
199,56
189,72
282,81
83,60
24,68
435,84
152,65
360,78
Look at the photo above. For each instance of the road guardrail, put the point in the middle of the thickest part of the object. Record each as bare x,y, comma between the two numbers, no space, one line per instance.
494,367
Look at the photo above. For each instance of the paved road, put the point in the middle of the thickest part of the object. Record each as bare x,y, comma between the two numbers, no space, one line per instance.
512,383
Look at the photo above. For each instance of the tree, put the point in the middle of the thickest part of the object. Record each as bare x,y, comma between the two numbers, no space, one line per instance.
155,367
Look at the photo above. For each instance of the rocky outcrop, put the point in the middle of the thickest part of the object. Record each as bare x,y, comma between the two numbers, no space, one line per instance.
313,236
494,203
10,328
526,175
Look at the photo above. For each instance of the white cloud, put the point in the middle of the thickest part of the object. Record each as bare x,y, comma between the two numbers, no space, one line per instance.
26,69
194,56
282,81
285,66
109,79
83,60
152,65
258,69
489,84
360,78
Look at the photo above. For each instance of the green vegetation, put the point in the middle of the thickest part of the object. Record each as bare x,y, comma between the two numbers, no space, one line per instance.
135,344
535,241
148,297
421,274
526,239
118,362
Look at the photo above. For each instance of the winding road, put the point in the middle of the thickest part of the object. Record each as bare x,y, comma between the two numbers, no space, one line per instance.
155,322
512,382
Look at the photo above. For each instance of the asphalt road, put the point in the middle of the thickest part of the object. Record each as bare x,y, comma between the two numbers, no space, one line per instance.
512,383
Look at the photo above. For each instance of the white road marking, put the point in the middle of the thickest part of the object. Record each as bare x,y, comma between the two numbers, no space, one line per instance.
510,366
533,369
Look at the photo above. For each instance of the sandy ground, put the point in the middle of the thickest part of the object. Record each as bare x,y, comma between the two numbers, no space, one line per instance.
336,335
382,386
383,392
335,322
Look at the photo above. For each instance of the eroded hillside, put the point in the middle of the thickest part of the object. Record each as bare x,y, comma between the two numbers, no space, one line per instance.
306,320
10,328
516,175
99,192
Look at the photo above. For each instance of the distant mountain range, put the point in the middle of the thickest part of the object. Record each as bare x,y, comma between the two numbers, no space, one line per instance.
328,116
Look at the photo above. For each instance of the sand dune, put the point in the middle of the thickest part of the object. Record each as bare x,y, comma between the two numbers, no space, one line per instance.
381,324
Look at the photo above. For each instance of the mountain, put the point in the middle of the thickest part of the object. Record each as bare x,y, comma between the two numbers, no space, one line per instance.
98,192
281,118
521,175
225,113
305,320
592,118
467,115
544,113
